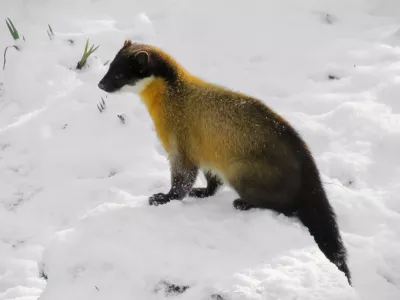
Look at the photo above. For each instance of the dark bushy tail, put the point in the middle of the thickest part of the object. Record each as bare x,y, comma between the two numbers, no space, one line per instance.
316,213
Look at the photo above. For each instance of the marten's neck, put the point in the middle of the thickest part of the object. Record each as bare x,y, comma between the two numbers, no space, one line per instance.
166,67
154,96
154,91
169,76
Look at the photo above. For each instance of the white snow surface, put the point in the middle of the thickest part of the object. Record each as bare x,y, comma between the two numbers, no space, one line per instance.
74,182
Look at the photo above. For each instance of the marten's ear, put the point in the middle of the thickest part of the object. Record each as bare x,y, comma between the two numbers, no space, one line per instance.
127,43
143,58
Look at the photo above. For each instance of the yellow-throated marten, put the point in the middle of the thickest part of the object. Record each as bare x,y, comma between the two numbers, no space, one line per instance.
232,138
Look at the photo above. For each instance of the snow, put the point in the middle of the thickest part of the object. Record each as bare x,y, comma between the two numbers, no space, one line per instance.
74,182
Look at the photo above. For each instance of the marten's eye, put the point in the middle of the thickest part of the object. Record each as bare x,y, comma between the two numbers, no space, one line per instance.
119,76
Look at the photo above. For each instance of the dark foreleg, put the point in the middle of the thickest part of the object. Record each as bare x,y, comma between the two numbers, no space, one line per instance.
213,184
183,176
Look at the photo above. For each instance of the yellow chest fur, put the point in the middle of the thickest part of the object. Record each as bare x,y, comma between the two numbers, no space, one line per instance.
153,96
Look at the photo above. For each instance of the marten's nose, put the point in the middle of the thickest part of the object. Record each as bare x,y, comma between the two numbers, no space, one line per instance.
101,85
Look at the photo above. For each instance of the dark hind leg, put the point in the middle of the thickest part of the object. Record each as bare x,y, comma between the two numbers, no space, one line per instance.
213,184
263,190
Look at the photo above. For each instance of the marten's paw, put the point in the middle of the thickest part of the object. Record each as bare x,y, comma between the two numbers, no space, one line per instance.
200,193
158,199
241,205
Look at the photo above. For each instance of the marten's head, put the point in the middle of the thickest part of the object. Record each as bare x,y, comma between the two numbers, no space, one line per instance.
135,66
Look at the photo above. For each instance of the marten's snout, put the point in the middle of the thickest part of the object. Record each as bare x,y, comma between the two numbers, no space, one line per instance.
101,86
104,86
107,86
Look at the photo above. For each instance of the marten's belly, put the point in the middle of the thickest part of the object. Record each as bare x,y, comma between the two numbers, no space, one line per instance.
229,153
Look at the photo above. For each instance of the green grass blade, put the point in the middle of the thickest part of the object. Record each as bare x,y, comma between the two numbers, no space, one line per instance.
87,44
86,54
92,50
14,32
12,24
11,30
10,27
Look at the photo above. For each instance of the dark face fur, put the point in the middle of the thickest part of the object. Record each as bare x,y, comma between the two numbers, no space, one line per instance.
128,68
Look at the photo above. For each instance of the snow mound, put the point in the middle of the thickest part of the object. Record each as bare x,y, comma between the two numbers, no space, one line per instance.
124,251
